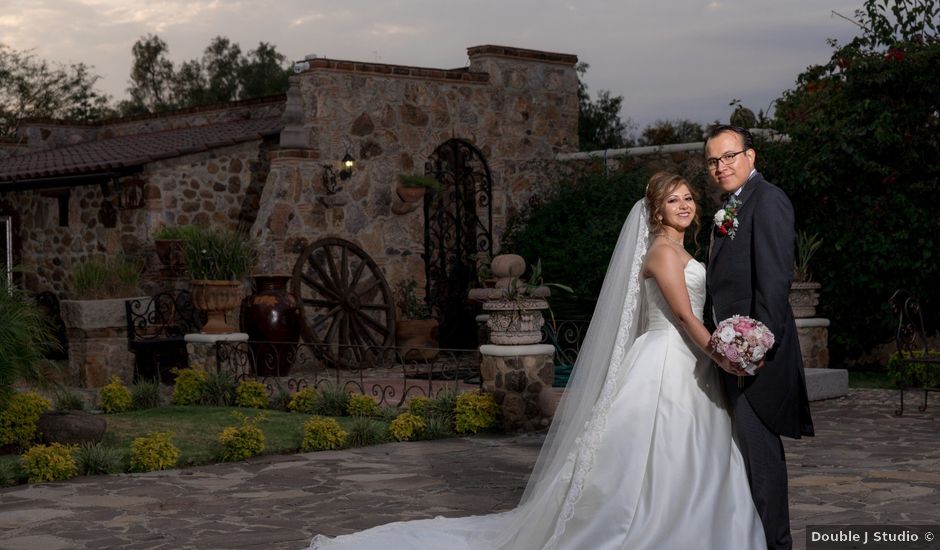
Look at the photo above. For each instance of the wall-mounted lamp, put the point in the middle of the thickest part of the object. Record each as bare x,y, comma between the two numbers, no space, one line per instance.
348,165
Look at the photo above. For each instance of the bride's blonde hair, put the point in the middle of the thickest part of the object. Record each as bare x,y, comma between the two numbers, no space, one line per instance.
660,185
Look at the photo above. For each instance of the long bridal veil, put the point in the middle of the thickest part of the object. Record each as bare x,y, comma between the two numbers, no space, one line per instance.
567,454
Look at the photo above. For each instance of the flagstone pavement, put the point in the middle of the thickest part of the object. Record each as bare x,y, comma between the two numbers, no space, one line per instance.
865,466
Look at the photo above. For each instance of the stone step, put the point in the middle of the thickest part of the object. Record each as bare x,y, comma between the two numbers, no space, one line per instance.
826,383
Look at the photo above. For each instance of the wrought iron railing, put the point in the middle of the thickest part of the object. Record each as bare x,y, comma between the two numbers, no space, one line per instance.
390,374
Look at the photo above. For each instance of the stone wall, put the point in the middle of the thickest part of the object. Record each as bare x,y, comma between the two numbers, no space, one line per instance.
203,188
517,107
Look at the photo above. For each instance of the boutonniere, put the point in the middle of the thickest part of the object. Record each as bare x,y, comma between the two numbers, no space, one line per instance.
726,219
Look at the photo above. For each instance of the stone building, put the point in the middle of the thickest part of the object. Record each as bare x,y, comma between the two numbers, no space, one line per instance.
273,165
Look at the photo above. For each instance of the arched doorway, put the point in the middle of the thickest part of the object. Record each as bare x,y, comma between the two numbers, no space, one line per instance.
458,227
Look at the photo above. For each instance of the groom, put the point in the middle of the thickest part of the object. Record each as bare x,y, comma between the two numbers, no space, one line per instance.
749,271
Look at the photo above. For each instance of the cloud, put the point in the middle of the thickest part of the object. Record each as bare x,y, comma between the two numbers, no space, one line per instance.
385,29
714,6
300,21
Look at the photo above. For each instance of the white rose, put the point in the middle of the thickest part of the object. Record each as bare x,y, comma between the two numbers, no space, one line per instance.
735,223
726,334
719,216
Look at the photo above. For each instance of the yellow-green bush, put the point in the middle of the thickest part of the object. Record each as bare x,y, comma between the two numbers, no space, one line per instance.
419,406
49,463
251,394
322,434
115,397
304,401
189,386
362,405
910,374
155,451
18,420
406,427
241,442
475,411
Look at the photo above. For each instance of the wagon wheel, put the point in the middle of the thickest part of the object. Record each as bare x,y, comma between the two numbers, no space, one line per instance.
345,300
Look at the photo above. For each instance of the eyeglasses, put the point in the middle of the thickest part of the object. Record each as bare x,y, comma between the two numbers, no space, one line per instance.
725,159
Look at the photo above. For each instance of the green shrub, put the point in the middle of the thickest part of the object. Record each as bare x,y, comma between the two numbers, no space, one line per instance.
96,459
48,463
26,334
219,389
322,434
591,208
145,395
444,404
105,277
856,152
407,427
389,413
280,400
189,386
304,401
115,397
68,400
419,406
155,451
475,411
364,431
218,254
362,405
241,442
911,374
18,420
251,394
332,400
438,427
11,473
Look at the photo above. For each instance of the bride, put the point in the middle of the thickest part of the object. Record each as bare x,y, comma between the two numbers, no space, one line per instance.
640,454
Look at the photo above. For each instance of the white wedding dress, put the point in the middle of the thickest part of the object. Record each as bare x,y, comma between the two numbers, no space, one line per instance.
654,467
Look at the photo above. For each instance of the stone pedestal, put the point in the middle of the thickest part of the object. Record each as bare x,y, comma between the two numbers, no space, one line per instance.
201,348
97,340
814,342
520,380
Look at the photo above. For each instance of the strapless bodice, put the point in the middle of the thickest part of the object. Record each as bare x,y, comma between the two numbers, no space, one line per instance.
658,314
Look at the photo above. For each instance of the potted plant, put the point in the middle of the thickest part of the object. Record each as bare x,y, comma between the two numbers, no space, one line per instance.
416,331
412,187
98,288
515,306
27,333
168,242
218,261
804,292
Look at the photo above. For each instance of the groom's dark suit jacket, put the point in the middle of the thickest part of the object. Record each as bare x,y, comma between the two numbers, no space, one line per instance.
750,275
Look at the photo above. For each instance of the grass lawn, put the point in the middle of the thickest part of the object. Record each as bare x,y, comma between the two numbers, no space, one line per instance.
870,379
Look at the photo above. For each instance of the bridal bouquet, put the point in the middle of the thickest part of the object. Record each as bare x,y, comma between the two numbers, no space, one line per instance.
742,340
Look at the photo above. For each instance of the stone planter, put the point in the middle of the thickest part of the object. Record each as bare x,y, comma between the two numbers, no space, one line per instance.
216,298
417,339
804,297
515,322
97,340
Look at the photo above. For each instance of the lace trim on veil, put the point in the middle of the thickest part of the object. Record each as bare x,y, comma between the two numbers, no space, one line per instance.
594,427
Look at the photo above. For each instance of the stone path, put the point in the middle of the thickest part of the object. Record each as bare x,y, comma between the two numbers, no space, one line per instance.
865,466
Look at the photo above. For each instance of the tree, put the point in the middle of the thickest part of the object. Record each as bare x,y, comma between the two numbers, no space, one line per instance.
34,88
152,77
599,123
862,166
663,132
221,75
265,72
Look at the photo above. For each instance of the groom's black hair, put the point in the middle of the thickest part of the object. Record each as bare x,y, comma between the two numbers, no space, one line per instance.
716,129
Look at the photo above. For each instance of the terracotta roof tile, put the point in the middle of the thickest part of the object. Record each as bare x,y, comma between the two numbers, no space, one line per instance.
132,150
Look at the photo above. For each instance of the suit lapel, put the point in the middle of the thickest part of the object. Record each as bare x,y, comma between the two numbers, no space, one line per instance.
749,188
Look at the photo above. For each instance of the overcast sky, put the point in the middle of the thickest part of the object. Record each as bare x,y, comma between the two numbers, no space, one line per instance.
668,58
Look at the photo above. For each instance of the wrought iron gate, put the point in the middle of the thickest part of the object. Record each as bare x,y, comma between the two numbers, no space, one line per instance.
458,227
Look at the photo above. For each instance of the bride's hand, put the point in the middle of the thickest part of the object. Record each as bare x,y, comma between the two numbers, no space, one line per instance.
730,367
